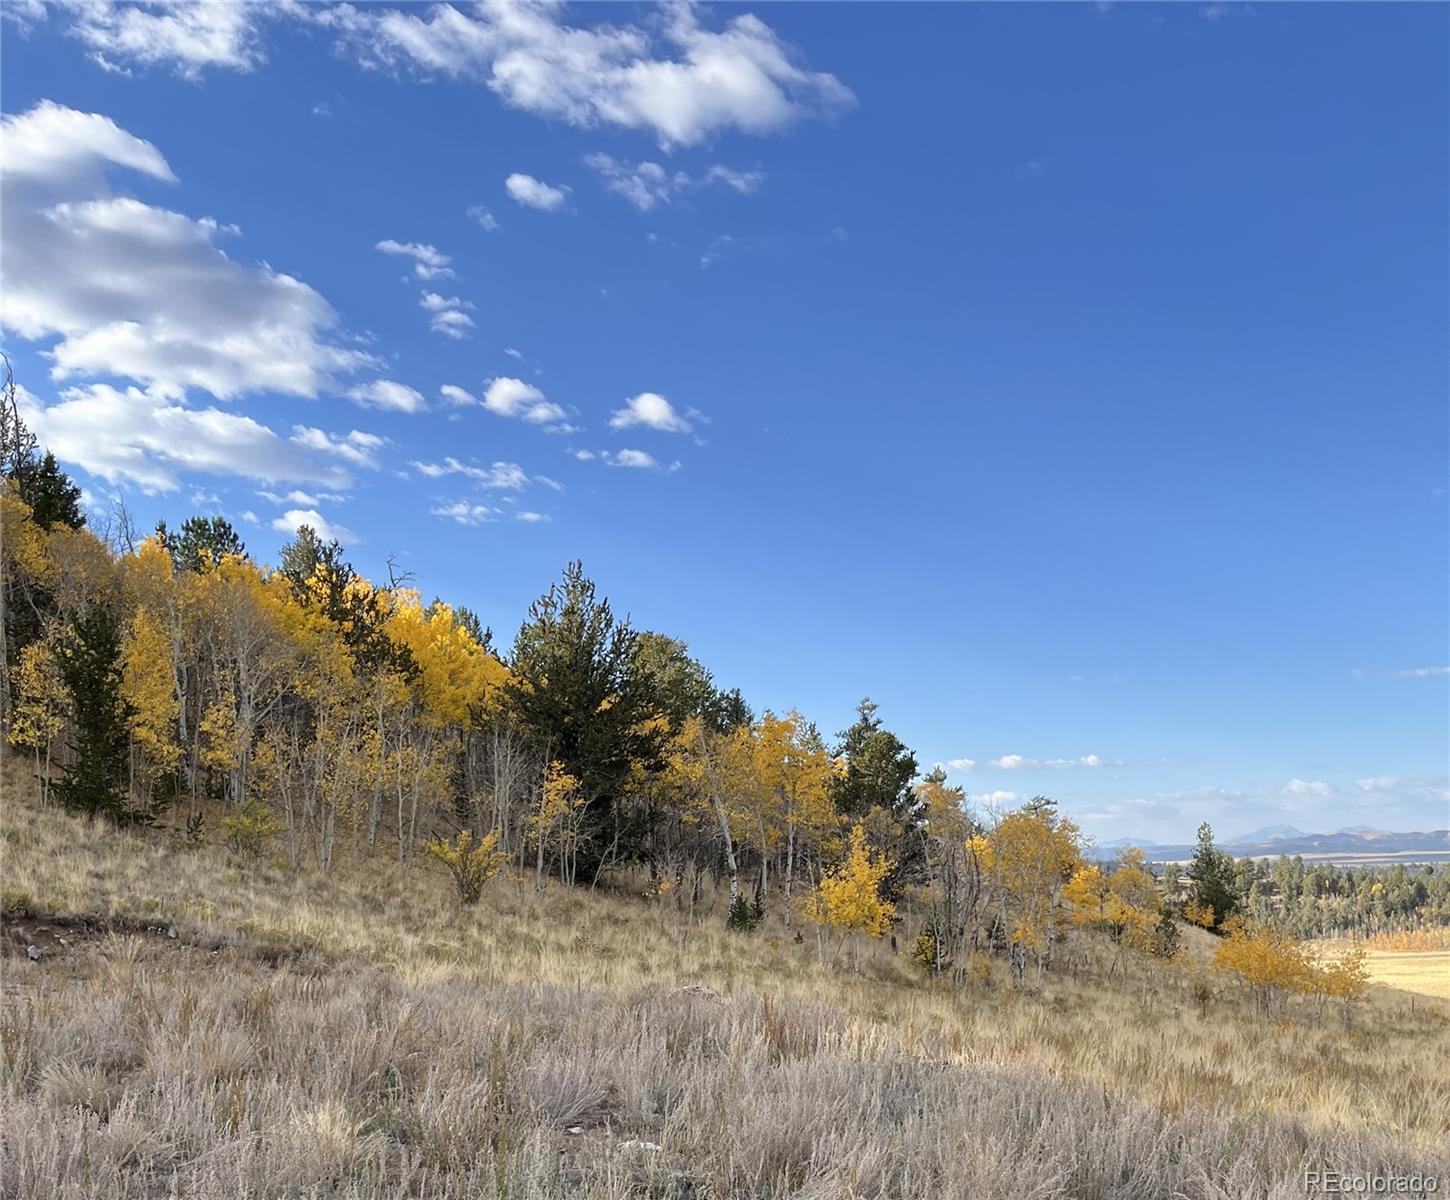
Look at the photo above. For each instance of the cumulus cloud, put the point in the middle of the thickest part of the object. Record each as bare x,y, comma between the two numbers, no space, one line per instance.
961,764
360,449
637,459
457,396
535,193
508,397
1307,787
428,261
187,38
486,220
650,410
148,439
465,512
132,290
647,184
674,77
294,518
448,315
389,395
532,518
500,475
998,799
300,498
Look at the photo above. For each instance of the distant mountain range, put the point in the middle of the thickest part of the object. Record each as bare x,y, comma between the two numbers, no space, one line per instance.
1353,841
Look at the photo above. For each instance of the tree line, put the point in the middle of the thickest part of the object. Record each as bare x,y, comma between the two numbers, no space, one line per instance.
328,715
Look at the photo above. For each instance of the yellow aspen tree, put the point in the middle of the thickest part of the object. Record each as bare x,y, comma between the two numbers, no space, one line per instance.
1033,854
153,586
1271,962
455,680
848,898
558,815
794,771
39,708
472,864
147,683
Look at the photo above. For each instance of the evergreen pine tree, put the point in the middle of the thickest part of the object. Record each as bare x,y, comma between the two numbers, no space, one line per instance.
90,663
1212,873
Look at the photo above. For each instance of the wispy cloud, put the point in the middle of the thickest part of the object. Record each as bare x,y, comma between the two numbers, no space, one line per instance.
1404,673
428,261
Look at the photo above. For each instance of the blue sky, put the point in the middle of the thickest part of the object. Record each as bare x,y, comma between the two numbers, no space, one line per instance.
1072,380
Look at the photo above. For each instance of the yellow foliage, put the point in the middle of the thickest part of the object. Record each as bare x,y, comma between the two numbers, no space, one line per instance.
1032,856
220,737
455,674
147,683
1269,960
471,865
848,897
41,699
1199,914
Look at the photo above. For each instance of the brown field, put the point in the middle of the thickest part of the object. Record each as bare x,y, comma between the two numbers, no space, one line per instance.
201,1027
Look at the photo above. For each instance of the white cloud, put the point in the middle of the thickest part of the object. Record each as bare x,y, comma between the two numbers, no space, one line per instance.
186,37
355,447
583,455
149,439
715,250
636,459
1380,783
501,475
646,184
387,394
997,799
486,220
649,409
743,182
293,519
60,145
456,395
1307,787
512,353
465,512
673,76
1407,673
428,261
451,323
961,764
141,292
1020,762
532,518
508,397
300,498
535,193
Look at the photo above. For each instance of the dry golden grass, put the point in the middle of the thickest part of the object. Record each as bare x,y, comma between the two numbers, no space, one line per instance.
360,1035
1426,972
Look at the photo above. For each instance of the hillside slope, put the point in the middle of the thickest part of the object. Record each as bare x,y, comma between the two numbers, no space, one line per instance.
204,1027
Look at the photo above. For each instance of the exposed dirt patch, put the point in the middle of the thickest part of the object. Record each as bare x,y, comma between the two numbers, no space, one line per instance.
42,938
61,936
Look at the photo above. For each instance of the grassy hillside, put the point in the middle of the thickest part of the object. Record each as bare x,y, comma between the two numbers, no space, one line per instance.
199,1026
